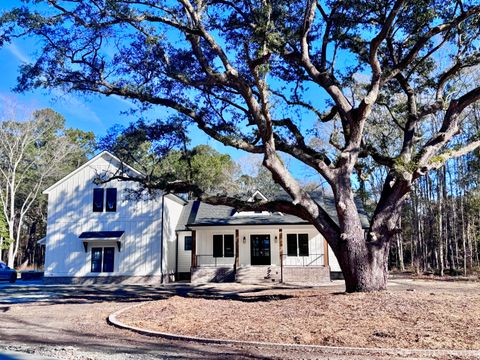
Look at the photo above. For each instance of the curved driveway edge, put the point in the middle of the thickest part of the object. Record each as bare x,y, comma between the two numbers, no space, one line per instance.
113,320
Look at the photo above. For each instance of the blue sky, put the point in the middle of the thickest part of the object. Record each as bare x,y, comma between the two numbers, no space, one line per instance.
86,112
91,112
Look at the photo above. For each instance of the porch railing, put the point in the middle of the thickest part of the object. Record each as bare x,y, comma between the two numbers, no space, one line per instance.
210,260
304,261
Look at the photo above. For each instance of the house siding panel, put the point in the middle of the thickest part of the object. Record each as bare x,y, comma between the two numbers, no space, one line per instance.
184,257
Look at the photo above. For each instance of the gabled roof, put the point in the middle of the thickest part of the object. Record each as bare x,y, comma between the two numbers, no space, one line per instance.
256,195
88,163
197,213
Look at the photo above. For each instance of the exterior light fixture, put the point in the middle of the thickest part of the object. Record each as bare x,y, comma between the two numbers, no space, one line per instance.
244,240
276,238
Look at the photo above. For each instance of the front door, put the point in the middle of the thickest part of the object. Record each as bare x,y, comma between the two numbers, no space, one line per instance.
260,249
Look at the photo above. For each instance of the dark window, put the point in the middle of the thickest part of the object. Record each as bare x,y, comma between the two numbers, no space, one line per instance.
103,259
97,200
217,245
303,244
188,243
96,260
228,246
108,256
292,245
111,204
223,246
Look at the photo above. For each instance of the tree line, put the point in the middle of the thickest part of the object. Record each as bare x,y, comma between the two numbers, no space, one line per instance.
36,150
440,223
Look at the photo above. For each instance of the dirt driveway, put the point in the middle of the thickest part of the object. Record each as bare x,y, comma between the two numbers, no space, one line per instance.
69,322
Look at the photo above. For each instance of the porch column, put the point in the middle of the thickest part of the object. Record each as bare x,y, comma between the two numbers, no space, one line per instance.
280,243
194,249
325,253
237,250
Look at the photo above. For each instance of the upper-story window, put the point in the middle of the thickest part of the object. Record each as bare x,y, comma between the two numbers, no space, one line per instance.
98,200
111,203
104,200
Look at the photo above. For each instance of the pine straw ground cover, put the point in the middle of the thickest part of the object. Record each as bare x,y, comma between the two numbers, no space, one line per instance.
438,316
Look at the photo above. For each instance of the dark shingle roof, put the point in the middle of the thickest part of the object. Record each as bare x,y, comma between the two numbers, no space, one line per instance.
196,213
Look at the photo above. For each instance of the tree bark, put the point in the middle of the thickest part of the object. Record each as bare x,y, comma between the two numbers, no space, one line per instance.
364,265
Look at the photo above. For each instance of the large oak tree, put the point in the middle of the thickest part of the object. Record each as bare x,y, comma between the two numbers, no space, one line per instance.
258,75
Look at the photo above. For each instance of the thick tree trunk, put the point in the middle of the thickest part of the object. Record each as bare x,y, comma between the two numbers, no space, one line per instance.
364,266
363,257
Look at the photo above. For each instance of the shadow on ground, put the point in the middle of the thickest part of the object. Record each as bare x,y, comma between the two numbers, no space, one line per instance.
81,294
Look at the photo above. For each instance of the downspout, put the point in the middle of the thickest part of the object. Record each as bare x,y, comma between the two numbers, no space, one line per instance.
161,239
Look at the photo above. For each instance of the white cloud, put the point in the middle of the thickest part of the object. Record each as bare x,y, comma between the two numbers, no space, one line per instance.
77,107
70,103
18,53
122,100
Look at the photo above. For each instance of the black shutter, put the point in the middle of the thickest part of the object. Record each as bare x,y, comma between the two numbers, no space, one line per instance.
228,246
303,244
97,200
111,205
188,243
217,245
292,245
96,260
108,258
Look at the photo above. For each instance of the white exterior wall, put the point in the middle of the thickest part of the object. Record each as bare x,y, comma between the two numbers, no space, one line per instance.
184,257
204,240
244,248
204,250
171,214
316,249
333,261
70,213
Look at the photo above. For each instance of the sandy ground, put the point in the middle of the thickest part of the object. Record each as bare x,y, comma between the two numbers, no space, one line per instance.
422,314
69,323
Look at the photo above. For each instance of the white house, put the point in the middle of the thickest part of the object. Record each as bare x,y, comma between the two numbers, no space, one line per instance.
97,233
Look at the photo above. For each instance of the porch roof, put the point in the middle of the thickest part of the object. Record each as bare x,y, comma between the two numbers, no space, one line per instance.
95,235
197,213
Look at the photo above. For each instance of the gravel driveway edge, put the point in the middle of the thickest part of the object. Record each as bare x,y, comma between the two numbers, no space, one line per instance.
114,321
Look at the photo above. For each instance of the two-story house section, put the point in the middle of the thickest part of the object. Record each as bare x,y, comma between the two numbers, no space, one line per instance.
98,233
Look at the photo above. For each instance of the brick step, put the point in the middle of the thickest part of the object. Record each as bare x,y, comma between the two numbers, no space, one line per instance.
258,274
203,275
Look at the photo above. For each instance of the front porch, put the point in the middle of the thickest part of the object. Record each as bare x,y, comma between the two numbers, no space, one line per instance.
259,255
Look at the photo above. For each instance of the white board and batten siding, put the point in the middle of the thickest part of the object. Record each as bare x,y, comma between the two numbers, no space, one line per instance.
204,241
70,212
171,215
184,256
316,249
